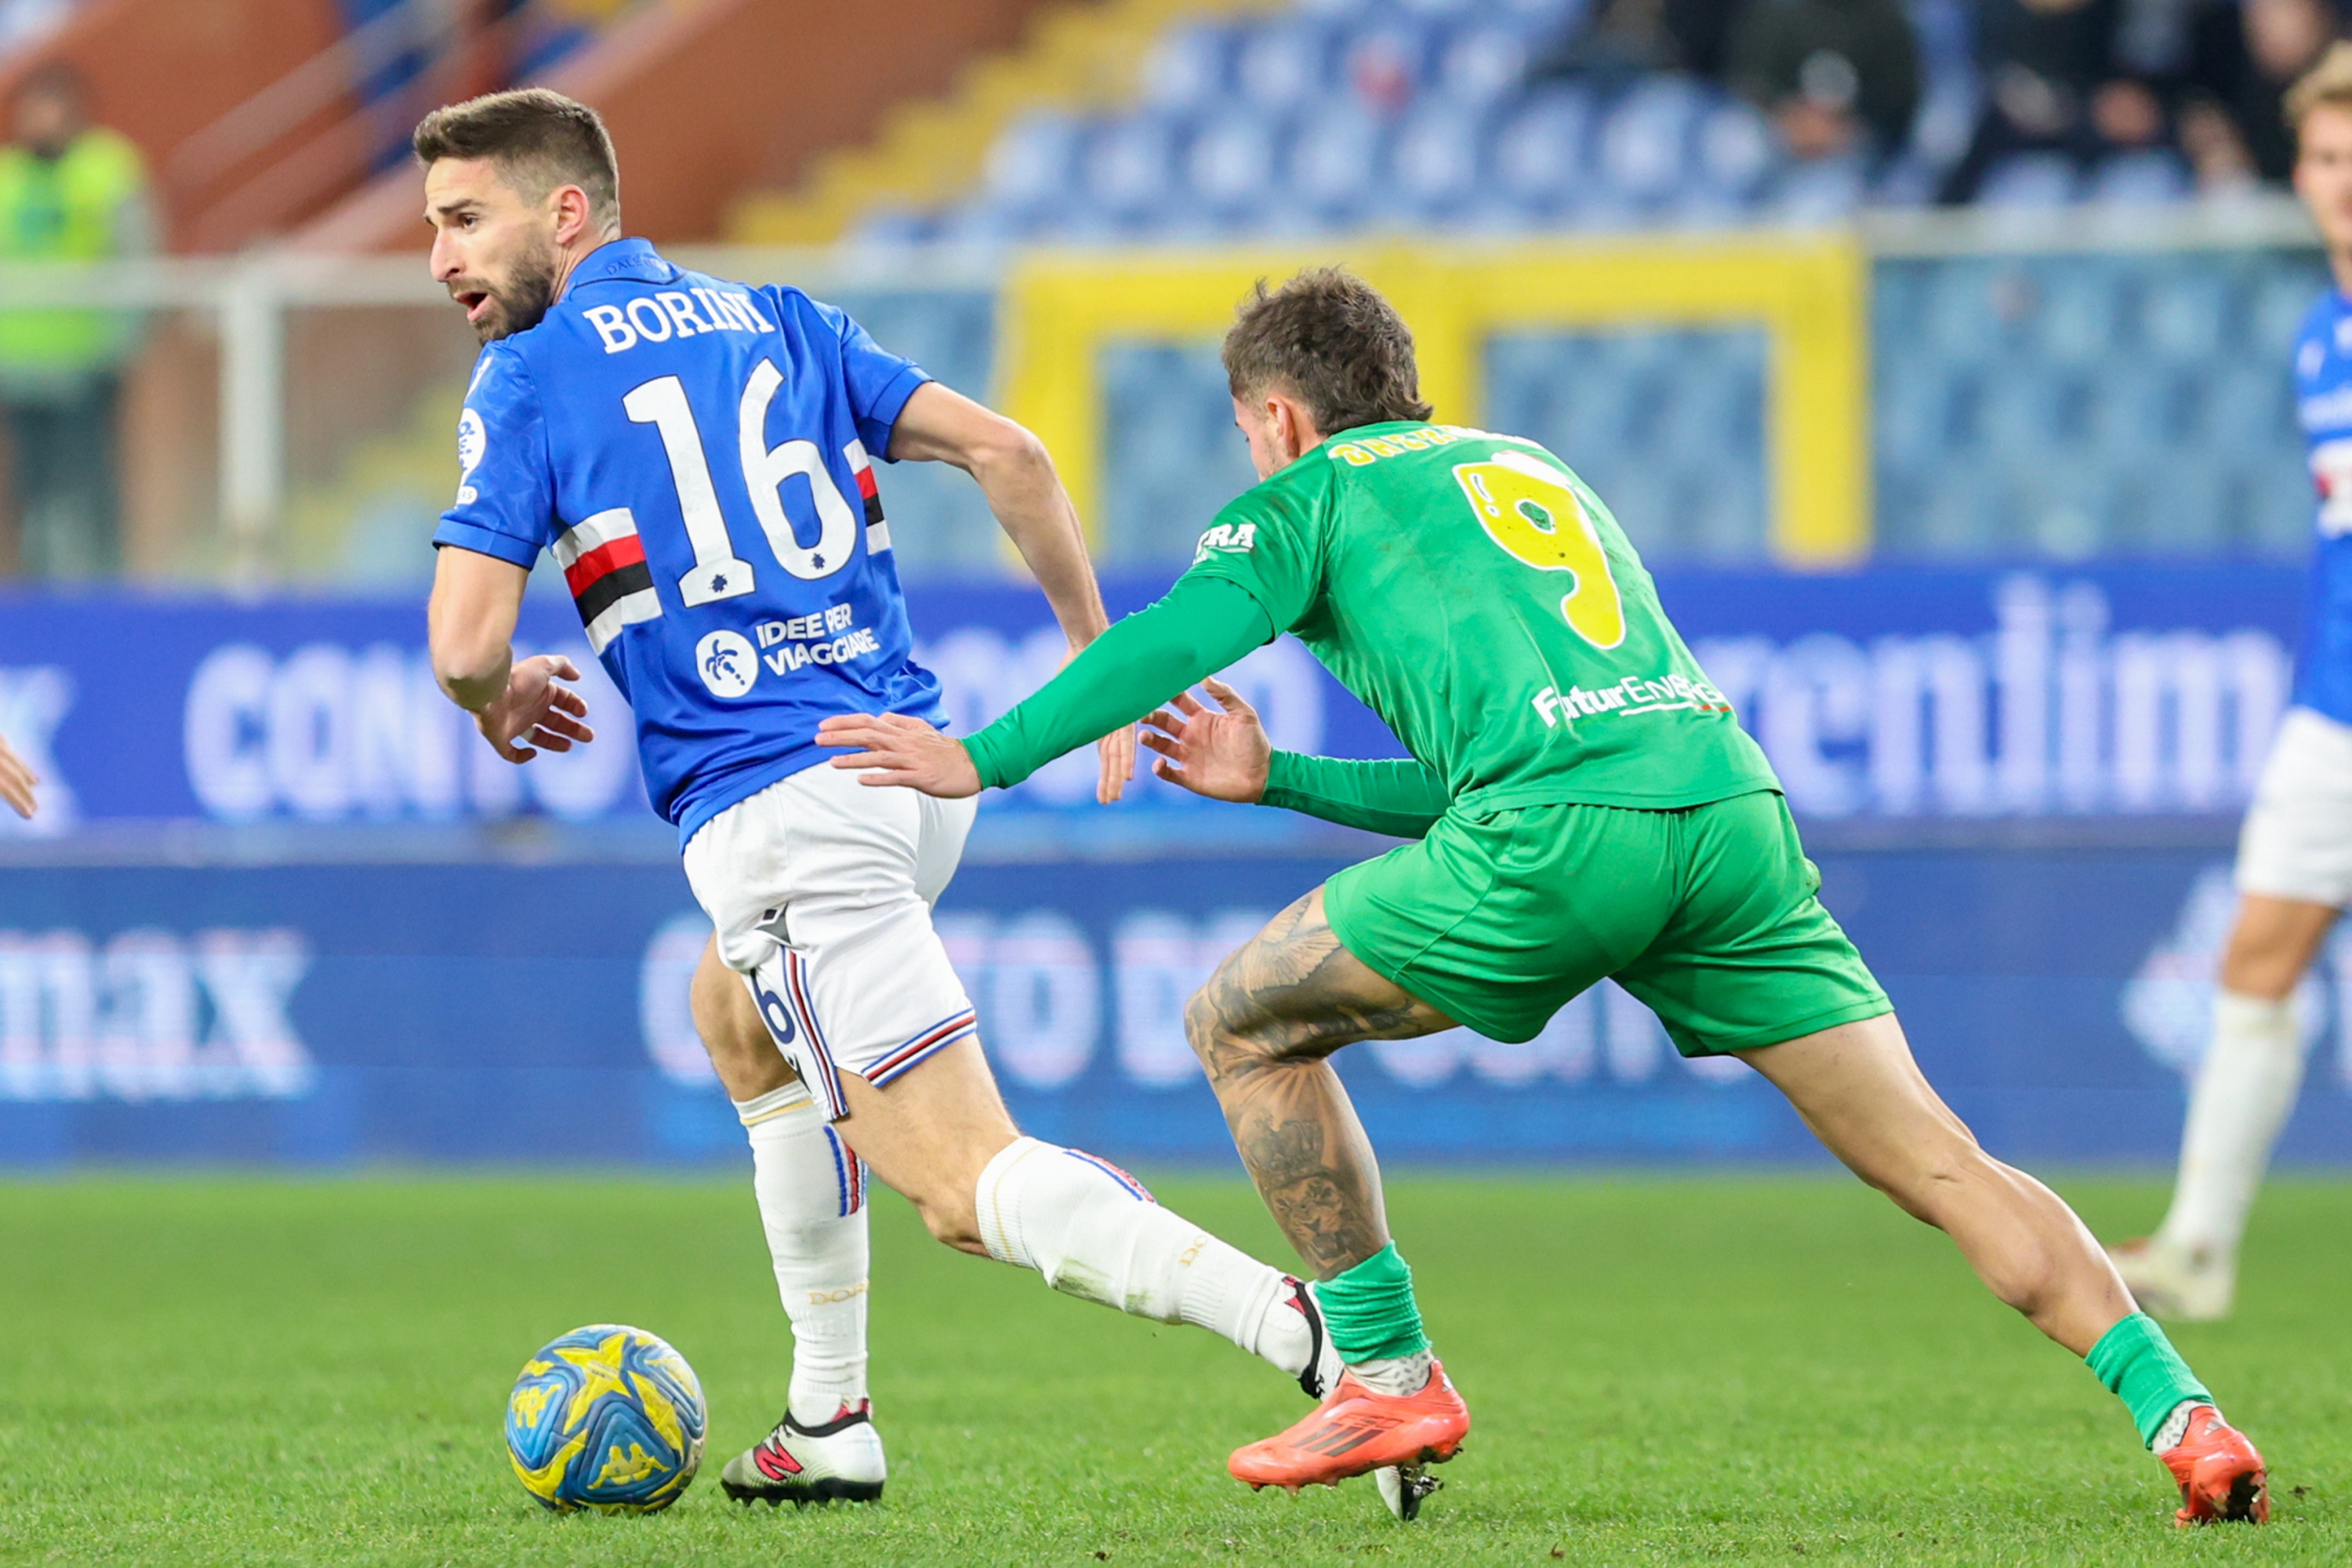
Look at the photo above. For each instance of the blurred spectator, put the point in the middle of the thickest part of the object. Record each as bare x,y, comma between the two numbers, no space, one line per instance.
69,191
2054,81
1629,37
2242,59
1832,74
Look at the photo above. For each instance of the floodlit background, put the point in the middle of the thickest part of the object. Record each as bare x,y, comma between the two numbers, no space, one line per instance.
1934,355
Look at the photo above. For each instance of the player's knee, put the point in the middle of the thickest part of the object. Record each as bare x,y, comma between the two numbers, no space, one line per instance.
949,1212
1221,1036
1942,1173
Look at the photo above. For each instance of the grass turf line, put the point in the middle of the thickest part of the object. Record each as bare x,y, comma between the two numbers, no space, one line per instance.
1734,1368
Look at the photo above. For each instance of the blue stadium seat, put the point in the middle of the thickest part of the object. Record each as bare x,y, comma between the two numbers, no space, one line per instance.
1479,65
1644,144
2030,180
1033,162
1825,191
1231,163
1190,66
2188,312
1131,163
1539,155
2174,503
1962,317
2138,179
2078,311
1435,162
1734,150
1285,62
1336,155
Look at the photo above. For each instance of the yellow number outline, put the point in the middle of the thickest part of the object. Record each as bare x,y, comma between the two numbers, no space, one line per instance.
1535,516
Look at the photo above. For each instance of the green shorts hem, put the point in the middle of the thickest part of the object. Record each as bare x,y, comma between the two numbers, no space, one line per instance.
1708,916
1852,1013
1338,912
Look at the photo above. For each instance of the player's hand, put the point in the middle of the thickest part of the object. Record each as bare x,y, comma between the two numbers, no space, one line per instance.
899,749
1224,755
16,781
1118,752
533,711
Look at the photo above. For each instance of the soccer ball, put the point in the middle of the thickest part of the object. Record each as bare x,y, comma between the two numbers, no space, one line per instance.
607,1417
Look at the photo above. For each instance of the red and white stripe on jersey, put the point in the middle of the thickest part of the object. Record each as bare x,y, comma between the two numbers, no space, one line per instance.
603,564
878,531
925,1044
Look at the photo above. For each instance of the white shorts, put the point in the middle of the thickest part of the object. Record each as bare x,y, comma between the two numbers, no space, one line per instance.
821,888
2297,838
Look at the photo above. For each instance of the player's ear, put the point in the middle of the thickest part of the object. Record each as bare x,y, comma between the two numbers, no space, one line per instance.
1281,425
574,212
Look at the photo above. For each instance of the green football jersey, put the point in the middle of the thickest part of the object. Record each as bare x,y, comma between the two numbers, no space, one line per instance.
1479,598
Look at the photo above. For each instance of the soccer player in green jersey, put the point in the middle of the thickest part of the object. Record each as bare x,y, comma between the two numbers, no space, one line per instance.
1583,804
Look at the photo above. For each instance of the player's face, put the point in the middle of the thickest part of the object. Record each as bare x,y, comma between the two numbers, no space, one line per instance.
1258,431
2323,172
492,249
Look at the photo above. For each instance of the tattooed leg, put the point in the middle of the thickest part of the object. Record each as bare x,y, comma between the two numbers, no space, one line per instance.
1263,1027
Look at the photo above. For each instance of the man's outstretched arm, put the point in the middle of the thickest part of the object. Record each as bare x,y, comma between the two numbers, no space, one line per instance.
1224,753
1395,795
1014,471
1203,625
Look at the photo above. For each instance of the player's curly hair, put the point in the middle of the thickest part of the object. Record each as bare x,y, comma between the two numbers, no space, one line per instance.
539,140
1329,338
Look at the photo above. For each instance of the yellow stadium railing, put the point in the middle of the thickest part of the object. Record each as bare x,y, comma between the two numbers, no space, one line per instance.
1808,294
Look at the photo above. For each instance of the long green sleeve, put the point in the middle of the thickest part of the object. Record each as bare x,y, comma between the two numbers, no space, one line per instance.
1203,625
1398,796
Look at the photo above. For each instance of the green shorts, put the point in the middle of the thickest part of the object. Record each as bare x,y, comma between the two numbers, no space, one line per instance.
1707,913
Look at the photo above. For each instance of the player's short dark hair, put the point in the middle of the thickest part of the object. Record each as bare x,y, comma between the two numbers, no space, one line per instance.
1330,339
539,140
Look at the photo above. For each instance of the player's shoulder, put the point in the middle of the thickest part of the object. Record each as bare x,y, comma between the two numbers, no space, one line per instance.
502,382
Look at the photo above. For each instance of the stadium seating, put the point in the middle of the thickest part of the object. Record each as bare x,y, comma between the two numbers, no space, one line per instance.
1332,115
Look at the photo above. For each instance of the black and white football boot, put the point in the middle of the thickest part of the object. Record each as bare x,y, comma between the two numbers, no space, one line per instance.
840,1460
1403,1488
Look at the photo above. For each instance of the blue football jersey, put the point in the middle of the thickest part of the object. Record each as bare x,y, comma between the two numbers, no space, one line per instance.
2323,384
698,456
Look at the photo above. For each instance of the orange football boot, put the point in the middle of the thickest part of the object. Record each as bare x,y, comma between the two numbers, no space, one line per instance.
2221,1475
1354,1430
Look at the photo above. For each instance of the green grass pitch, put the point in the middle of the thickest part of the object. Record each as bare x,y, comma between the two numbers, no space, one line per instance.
1728,1368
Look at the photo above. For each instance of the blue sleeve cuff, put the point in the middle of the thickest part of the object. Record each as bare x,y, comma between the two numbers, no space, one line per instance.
488,541
883,418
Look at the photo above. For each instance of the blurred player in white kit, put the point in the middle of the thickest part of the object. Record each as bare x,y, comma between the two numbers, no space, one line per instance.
2294,853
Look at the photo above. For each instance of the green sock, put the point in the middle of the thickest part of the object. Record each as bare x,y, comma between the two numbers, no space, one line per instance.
2140,1367
1368,1311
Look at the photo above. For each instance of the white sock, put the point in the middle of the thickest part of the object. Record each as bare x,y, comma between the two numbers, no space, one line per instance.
1401,1375
1093,1231
812,1193
2239,1102
2176,1426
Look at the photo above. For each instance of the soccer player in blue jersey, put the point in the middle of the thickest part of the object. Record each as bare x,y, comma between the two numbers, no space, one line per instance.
2294,851
698,456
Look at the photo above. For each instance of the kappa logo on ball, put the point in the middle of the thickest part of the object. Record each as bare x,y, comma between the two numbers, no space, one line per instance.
726,663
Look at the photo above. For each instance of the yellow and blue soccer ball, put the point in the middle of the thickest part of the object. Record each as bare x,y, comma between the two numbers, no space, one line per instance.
607,1417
